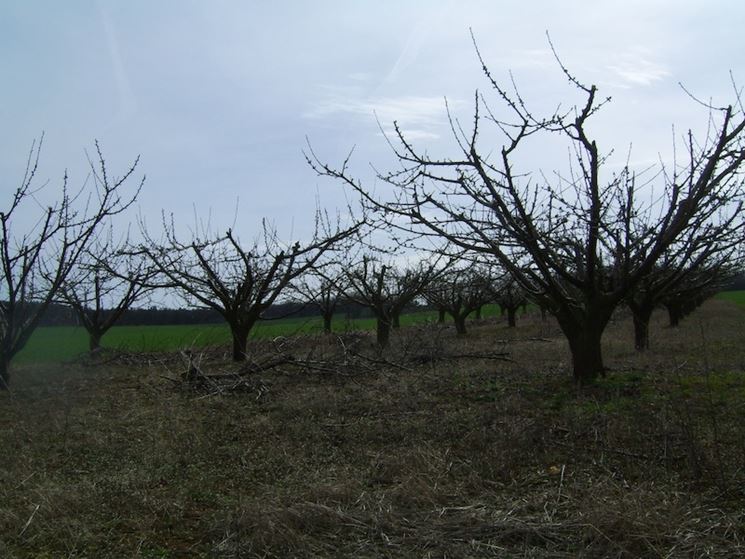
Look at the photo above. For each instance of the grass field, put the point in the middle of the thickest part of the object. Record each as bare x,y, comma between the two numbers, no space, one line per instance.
734,296
62,343
437,448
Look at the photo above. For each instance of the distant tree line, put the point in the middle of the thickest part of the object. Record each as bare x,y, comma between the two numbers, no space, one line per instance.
60,314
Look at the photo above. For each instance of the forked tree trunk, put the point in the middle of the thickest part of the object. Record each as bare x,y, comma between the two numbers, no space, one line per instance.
383,332
460,324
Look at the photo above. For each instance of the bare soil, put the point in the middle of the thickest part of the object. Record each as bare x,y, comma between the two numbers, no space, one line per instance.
438,448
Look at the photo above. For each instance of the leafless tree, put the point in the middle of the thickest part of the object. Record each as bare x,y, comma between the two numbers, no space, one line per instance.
386,290
680,288
459,292
510,297
694,289
106,281
322,289
579,242
35,262
239,282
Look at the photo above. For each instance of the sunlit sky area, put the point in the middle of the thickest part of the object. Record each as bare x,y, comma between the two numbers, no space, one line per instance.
218,97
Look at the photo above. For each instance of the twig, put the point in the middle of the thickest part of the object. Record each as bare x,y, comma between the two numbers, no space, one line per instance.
28,522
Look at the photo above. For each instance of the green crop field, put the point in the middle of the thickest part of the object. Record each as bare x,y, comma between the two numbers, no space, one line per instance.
63,343
734,296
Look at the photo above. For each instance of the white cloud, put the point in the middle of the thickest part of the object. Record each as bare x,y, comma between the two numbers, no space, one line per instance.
420,117
635,68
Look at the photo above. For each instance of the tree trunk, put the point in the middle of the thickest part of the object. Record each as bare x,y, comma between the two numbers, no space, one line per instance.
587,357
240,342
94,340
383,332
327,322
641,326
511,312
584,334
477,315
440,316
543,314
396,323
460,324
4,373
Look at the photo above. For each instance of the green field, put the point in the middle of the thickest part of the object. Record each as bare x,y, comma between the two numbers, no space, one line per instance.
734,296
62,343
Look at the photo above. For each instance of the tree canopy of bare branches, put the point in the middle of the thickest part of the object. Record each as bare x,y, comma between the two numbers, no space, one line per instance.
35,262
322,289
386,289
105,282
459,292
509,296
577,242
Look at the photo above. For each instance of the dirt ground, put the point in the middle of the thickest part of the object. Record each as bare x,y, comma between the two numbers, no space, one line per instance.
443,446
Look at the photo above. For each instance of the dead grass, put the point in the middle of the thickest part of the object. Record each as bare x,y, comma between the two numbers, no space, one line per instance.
409,454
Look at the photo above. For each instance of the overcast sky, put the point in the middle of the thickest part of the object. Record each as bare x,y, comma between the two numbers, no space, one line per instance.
218,96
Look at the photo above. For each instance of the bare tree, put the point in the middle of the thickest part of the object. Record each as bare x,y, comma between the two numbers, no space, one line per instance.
459,292
238,282
510,297
694,289
386,290
34,263
324,290
577,243
105,282
681,288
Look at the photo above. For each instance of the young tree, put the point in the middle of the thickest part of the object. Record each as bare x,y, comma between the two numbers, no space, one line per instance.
680,285
693,290
238,282
322,290
386,290
510,297
105,283
579,244
458,292
35,262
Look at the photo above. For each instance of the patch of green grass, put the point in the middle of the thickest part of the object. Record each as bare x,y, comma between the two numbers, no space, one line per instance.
719,387
737,297
617,392
62,343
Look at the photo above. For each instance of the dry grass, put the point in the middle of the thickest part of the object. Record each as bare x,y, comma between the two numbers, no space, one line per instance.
421,457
